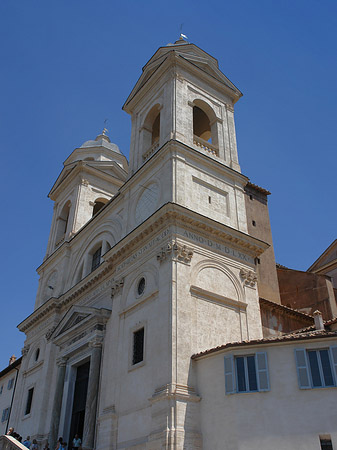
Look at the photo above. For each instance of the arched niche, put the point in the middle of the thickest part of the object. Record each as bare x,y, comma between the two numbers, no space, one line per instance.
219,279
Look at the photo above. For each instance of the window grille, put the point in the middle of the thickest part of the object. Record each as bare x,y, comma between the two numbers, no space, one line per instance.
138,346
96,259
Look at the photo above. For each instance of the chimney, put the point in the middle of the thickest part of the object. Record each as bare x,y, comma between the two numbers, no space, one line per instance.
319,325
12,359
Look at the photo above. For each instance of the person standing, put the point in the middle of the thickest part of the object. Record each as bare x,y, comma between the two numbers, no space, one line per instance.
34,445
27,442
77,442
59,444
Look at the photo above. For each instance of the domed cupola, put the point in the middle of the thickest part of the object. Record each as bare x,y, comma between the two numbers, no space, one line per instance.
100,149
91,176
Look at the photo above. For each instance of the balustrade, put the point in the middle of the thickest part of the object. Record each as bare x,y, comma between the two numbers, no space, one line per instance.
205,145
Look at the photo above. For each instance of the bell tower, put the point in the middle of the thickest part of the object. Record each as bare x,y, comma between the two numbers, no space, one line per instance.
91,176
182,95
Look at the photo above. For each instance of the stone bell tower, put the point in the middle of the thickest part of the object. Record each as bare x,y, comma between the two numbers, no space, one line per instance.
183,95
184,278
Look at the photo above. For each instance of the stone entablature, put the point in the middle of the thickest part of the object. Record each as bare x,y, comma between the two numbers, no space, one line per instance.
127,251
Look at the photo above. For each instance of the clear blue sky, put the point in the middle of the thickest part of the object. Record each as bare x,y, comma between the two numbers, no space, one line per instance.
66,65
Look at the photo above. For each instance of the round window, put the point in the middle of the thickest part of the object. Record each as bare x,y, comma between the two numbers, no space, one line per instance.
141,286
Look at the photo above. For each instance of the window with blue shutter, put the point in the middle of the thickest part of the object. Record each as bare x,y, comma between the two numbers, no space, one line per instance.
229,375
248,373
316,368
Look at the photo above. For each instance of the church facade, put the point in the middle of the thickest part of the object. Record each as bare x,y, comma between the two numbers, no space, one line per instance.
147,329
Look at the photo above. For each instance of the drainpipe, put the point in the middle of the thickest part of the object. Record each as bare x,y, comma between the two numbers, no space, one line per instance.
10,408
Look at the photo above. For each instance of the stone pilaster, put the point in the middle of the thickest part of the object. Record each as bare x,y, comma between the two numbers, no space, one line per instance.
92,395
55,418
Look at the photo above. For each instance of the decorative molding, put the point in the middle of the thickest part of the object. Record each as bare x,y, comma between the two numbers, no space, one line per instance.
61,361
50,331
249,277
216,298
117,287
25,350
33,369
229,107
169,214
84,182
177,251
175,391
97,342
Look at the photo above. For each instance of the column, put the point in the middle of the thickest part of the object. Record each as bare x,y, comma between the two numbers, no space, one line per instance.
56,412
92,395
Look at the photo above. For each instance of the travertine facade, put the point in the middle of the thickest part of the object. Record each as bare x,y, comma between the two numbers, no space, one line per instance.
145,267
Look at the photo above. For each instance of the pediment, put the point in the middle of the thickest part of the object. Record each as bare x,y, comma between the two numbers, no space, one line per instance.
78,318
73,320
329,255
97,168
190,53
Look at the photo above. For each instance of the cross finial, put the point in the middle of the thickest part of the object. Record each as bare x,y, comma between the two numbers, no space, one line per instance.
182,36
105,130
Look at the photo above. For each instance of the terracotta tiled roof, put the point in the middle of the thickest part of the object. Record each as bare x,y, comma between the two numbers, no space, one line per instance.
295,336
258,188
10,367
288,310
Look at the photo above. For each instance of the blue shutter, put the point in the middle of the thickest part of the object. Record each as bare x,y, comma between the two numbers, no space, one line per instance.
302,369
229,374
262,371
333,351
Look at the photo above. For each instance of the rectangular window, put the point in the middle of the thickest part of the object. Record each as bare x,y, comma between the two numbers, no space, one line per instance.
29,401
138,346
10,383
316,368
96,259
247,373
326,443
5,415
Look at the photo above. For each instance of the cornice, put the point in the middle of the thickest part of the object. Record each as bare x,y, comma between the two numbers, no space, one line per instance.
175,58
168,214
173,214
81,167
174,145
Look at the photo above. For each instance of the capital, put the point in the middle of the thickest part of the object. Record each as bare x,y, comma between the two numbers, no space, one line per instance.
96,342
61,361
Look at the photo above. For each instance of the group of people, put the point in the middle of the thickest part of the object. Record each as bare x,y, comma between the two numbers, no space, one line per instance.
76,444
32,445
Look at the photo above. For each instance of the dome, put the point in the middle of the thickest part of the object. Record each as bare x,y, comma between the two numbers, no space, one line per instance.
101,141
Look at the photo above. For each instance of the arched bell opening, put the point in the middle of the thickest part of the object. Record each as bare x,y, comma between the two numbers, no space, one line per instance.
98,204
151,132
62,223
205,130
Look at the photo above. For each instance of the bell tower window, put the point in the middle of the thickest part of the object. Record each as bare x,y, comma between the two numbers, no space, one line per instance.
156,129
99,203
62,223
151,132
201,125
205,130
